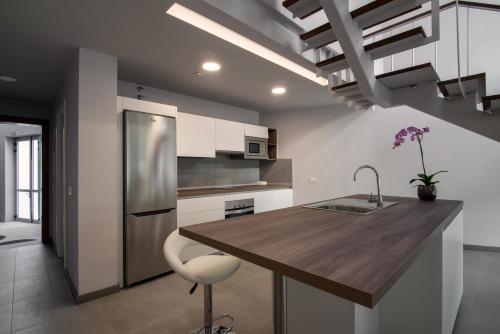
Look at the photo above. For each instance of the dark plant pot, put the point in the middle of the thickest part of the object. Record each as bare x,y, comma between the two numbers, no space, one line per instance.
427,193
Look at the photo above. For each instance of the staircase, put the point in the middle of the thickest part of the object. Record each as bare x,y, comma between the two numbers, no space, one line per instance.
461,100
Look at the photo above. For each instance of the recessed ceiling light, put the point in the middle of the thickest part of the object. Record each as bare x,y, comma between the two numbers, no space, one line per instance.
6,78
278,90
211,66
218,30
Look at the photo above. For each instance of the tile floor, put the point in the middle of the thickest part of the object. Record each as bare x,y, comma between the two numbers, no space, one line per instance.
18,230
480,308
34,298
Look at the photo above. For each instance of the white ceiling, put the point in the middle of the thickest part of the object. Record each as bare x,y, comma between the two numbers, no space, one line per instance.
38,39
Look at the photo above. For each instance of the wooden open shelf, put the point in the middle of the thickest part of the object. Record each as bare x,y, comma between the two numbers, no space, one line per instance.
272,144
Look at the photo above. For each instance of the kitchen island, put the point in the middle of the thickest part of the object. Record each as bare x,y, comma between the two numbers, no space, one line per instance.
397,270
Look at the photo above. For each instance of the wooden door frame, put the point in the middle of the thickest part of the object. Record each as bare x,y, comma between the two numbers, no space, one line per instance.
46,155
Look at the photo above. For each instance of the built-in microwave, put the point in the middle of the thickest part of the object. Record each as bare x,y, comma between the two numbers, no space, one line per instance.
255,148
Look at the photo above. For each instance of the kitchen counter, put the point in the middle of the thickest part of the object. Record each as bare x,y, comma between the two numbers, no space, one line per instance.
355,257
203,192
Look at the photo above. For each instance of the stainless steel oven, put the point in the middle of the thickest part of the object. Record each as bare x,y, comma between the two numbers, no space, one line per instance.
255,148
239,208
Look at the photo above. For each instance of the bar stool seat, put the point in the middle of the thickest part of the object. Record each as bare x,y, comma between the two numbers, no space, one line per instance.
210,269
206,270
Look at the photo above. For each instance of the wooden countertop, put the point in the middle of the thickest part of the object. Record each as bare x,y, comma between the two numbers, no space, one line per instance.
201,192
356,257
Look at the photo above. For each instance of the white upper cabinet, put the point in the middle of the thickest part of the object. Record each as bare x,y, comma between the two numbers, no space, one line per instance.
256,131
229,136
195,136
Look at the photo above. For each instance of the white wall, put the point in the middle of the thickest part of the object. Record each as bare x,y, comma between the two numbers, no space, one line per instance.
89,93
68,96
330,144
190,104
97,188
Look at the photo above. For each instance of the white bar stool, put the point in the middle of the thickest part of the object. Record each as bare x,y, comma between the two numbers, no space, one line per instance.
206,270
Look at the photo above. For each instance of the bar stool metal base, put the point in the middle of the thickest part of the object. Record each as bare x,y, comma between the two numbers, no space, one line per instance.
209,327
216,329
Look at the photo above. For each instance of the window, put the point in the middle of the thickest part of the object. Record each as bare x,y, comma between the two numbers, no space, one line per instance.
28,179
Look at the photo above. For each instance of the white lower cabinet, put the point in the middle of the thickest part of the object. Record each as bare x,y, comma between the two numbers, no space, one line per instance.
192,211
198,210
263,201
282,198
453,261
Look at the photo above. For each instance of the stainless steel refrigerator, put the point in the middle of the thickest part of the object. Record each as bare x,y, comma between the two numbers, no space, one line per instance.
150,193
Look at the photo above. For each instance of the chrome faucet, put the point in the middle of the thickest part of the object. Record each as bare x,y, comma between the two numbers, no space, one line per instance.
380,202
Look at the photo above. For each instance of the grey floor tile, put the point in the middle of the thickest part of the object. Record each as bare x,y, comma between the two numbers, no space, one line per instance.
165,305
31,270
5,318
7,263
480,307
6,293
31,287
7,275
7,254
33,312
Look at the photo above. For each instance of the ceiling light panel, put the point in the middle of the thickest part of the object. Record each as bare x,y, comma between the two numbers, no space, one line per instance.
211,66
218,30
278,90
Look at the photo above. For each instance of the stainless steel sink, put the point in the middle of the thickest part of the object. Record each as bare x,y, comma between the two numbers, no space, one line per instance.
350,205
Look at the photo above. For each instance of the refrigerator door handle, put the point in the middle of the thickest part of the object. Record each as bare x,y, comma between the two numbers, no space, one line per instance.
151,213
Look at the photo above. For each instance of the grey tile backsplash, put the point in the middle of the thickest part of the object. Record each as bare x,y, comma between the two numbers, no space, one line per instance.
221,171
277,172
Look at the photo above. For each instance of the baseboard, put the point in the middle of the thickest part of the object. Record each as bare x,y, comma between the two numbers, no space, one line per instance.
80,299
72,288
97,294
482,248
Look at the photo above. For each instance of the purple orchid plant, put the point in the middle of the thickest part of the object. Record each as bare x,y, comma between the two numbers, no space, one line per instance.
418,135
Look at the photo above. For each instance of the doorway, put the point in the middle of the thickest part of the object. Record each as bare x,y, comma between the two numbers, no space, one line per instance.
24,179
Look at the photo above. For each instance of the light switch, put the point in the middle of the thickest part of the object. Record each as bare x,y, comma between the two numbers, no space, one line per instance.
70,191
312,180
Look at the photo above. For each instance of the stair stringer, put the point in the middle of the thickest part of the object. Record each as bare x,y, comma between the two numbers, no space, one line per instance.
350,37
460,112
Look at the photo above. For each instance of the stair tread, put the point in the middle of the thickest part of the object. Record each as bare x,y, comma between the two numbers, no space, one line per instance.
380,11
327,27
491,97
375,45
491,102
330,60
395,38
315,31
402,78
450,87
466,78
408,77
345,85
466,4
369,7
313,6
